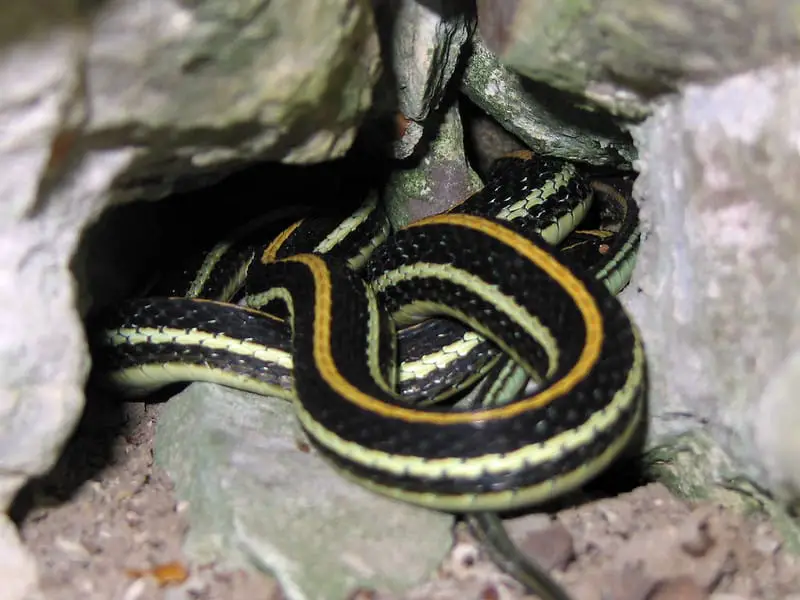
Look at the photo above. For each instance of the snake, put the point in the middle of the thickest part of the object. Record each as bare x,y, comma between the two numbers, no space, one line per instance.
368,329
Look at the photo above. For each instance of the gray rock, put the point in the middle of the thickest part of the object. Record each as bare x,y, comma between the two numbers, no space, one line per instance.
257,495
719,271
18,571
47,200
622,55
214,85
134,99
424,41
547,122
441,179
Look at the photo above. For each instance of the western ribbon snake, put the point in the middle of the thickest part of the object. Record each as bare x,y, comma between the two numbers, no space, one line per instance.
469,297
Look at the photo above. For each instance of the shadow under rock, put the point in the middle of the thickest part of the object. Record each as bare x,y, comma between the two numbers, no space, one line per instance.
93,446
189,222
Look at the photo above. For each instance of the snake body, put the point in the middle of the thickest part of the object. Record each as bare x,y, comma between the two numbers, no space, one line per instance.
483,277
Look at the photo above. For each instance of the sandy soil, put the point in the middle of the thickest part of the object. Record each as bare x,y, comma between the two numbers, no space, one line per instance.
105,526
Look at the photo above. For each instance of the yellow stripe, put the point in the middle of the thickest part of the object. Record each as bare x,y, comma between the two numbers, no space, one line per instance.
275,245
550,450
513,498
580,296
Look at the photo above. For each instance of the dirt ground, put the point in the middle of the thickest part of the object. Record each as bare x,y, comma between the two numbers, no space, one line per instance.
106,526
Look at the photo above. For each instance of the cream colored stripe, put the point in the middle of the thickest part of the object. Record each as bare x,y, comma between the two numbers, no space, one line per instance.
538,195
425,365
617,271
458,468
203,273
511,499
193,337
357,261
373,346
478,286
147,377
344,228
557,232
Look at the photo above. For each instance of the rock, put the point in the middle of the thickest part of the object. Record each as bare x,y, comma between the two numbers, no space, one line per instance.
18,572
257,494
424,44
624,55
715,286
214,86
547,121
441,178
114,101
43,355
111,101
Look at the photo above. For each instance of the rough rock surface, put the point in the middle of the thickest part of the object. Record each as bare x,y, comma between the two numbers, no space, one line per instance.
720,170
422,49
126,99
257,495
623,55
545,119
107,526
440,179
